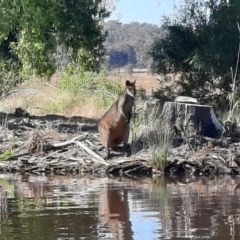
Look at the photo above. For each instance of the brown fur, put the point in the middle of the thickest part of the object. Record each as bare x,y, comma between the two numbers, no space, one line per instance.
114,125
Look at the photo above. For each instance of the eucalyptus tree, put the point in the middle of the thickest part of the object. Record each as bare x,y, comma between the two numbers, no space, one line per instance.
31,30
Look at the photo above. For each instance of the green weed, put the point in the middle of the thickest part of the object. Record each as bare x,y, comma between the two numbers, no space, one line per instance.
7,155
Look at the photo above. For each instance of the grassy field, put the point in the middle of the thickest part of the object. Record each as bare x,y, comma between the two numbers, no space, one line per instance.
41,98
144,80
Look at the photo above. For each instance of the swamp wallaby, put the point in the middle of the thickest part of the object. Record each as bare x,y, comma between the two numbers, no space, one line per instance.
114,125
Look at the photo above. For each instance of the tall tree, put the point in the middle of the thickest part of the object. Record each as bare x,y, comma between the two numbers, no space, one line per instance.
201,46
31,30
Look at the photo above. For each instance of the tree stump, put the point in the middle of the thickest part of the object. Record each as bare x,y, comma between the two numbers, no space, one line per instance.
191,118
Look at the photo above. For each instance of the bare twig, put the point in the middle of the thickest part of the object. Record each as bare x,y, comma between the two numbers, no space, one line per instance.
80,160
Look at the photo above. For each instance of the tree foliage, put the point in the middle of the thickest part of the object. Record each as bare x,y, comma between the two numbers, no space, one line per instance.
202,45
30,31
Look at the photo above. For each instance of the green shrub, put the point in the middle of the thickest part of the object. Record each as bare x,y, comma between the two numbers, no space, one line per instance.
78,81
107,90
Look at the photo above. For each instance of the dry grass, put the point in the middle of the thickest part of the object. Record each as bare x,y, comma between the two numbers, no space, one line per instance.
144,80
41,98
148,82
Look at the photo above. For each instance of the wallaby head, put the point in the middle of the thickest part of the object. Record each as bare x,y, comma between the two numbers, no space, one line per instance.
130,88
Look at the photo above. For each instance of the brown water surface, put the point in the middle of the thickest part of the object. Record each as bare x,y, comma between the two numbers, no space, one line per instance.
78,207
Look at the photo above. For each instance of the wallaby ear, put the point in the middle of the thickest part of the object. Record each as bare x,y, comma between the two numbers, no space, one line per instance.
128,83
134,81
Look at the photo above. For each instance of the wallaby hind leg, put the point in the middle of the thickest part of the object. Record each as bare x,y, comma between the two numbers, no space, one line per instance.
125,140
107,152
104,135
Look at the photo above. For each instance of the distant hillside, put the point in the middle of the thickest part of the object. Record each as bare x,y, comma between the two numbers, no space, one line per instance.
128,44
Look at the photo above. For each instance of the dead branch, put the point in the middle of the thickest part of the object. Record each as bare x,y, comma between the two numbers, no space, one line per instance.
62,144
97,158
89,151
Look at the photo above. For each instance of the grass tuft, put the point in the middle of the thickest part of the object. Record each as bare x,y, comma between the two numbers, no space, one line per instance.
160,143
147,134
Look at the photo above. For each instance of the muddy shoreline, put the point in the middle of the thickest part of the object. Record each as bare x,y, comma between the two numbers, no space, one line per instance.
56,144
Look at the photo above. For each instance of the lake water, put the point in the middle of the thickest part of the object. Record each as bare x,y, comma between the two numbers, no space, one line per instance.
78,207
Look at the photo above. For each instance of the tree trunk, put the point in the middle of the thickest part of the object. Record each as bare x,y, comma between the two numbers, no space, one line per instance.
191,119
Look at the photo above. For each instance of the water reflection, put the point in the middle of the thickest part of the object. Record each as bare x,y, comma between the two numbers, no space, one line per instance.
77,207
